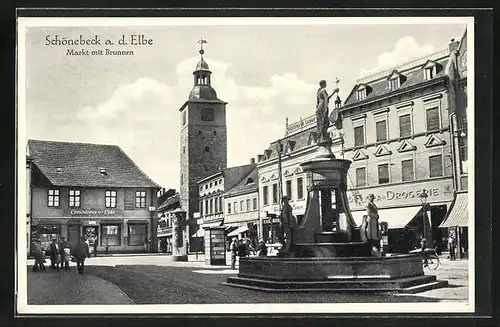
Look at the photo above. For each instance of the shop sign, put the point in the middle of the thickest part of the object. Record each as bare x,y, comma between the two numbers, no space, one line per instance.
406,194
91,222
88,212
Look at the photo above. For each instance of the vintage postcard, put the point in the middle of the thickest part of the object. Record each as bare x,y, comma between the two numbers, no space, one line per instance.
245,165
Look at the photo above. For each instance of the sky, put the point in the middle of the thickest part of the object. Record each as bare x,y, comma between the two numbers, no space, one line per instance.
265,73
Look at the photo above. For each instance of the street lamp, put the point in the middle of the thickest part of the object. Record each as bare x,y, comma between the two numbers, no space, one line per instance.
423,198
279,150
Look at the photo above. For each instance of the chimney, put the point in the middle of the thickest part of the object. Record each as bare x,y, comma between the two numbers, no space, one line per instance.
453,45
252,161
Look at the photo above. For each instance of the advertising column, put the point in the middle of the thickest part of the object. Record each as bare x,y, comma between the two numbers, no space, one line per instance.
179,235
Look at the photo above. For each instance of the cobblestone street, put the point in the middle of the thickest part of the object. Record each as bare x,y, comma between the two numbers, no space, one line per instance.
156,279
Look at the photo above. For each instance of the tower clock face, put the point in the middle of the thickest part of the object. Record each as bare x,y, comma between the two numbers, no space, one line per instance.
207,114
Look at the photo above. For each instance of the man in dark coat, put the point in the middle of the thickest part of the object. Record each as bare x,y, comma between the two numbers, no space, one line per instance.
55,254
81,252
65,253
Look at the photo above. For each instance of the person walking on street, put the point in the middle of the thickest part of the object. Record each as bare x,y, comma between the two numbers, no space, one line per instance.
234,250
106,245
95,246
55,254
451,247
39,256
81,252
65,253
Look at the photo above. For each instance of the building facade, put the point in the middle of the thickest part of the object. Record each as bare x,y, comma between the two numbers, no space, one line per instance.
396,127
457,217
91,190
283,158
242,207
203,145
167,202
213,189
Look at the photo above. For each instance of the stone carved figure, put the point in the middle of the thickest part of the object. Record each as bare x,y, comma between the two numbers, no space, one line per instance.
372,230
322,119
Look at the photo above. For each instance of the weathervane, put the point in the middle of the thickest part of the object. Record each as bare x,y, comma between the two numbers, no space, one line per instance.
337,81
201,41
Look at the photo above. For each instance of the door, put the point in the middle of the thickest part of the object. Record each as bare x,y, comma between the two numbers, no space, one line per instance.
73,233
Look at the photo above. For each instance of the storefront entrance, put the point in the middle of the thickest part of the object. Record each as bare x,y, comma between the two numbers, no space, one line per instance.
73,234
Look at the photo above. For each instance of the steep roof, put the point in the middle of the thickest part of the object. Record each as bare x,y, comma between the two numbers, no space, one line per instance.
412,72
248,184
233,175
79,164
296,141
171,202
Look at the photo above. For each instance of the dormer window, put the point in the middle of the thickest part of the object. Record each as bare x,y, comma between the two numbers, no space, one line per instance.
430,69
59,170
363,91
249,180
103,172
395,80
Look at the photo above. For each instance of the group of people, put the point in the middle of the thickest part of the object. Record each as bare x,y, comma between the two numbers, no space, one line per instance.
243,248
61,252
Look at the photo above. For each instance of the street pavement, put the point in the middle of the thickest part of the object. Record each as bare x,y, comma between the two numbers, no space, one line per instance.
157,279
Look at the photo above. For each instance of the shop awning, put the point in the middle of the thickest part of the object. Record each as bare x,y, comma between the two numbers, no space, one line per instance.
458,215
394,217
238,231
213,224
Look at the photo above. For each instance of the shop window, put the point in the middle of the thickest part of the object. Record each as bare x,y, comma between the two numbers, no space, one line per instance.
436,166
407,170
265,195
432,119
47,232
74,198
140,199
53,198
300,188
359,135
383,174
275,193
361,176
289,188
405,125
137,234
248,205
112,233
254,203
229,208
110,199
381,127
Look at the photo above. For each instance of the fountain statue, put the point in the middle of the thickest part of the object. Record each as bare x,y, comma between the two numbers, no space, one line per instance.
327,250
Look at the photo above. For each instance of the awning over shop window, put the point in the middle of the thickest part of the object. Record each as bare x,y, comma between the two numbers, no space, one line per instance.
395,217
238,231
214,224
458,215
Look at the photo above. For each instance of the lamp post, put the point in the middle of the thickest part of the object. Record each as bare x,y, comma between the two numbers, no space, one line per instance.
279,149
423,198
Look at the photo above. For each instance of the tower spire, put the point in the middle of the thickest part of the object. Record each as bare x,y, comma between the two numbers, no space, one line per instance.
201,42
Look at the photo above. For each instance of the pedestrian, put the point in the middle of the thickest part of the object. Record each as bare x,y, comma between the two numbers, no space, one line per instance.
451,247
423,246
234,250
106,245
261,248
249,247
81,252
65,253
55,254
95,245
39,256
242,249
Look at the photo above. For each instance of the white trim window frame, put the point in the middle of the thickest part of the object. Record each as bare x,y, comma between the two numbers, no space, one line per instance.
359,121
407,158
402,110
430,103
379,116
356,175
380,163
434,153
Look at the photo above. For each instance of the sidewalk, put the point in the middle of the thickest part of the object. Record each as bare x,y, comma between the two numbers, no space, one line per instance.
67,287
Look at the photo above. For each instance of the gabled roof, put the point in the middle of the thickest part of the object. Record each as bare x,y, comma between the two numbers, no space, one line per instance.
234,175
82,163
248,184
170,203
380,86
291,143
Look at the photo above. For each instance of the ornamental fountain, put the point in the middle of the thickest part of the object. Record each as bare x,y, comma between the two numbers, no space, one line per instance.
327,251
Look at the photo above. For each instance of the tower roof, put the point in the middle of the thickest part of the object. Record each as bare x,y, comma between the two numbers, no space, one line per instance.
202,92
202,65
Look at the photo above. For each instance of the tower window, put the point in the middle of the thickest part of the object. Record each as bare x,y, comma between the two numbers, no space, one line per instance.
207,149
215,132
184,117
183,149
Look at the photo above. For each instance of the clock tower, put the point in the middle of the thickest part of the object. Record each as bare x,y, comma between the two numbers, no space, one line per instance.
203,140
